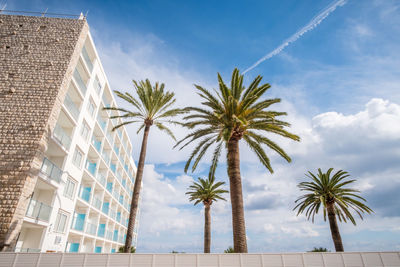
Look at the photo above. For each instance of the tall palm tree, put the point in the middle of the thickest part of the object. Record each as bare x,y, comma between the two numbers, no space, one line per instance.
228,116
335,198
206,191
153,107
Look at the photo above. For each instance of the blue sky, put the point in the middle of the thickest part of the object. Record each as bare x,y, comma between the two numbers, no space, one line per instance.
339,82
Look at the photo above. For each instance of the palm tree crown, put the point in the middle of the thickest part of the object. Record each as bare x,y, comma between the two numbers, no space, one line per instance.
324,190
153,107
237,113
206,191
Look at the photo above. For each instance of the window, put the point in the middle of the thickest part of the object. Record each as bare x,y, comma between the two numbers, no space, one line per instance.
85,130
77,159
91,107
61,222
69,188
97,85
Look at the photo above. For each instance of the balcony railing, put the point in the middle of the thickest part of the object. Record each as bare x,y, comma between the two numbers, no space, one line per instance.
86,57
113,167
109,187
109,235
28,250
102,230
38,210
81,84
116,149
112,213
115,194
62,136
51,170
96,202
106,208
72,108
84,193
101,179
97,144
101,122
109,137
78,222
91,228
105,156
91,167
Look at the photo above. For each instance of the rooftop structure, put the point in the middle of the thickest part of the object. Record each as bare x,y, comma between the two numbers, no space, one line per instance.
66,179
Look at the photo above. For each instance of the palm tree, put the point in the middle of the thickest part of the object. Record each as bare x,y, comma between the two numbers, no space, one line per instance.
335,198
228,116
206,191
229,250
153,107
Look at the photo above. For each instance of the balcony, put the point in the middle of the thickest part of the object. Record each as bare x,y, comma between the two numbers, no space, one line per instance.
109,137
62,136
109,187
79,81
96,202
84,193
51,170
121,239
38,210
97,144
113,167
115,236
78,222
91,167
102,123
87,59
112,214
101,179
116,149
91,228
109,235
71,107
115,194
106,207
102,230
106,157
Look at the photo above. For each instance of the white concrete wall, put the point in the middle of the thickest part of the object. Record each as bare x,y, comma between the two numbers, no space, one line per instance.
354,259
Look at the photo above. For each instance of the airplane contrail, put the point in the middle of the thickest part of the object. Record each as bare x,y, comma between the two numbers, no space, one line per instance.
311,25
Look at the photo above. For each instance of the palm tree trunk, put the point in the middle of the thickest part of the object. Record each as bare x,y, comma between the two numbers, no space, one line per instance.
337,239
136,191
207,229
235,182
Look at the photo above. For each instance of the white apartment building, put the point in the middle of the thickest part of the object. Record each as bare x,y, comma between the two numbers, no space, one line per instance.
82,197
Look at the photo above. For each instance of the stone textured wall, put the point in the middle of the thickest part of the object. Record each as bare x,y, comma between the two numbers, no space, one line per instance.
37,59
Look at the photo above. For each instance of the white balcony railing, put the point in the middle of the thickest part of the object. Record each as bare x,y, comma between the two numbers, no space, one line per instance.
51,170
62,136
38,210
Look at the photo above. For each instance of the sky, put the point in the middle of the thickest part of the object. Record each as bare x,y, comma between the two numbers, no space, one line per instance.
339,83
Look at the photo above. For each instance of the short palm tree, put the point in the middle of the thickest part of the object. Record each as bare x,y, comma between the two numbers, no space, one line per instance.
228,116
206,191
331,194
153,107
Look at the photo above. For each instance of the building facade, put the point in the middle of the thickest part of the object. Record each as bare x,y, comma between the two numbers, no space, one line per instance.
66,179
